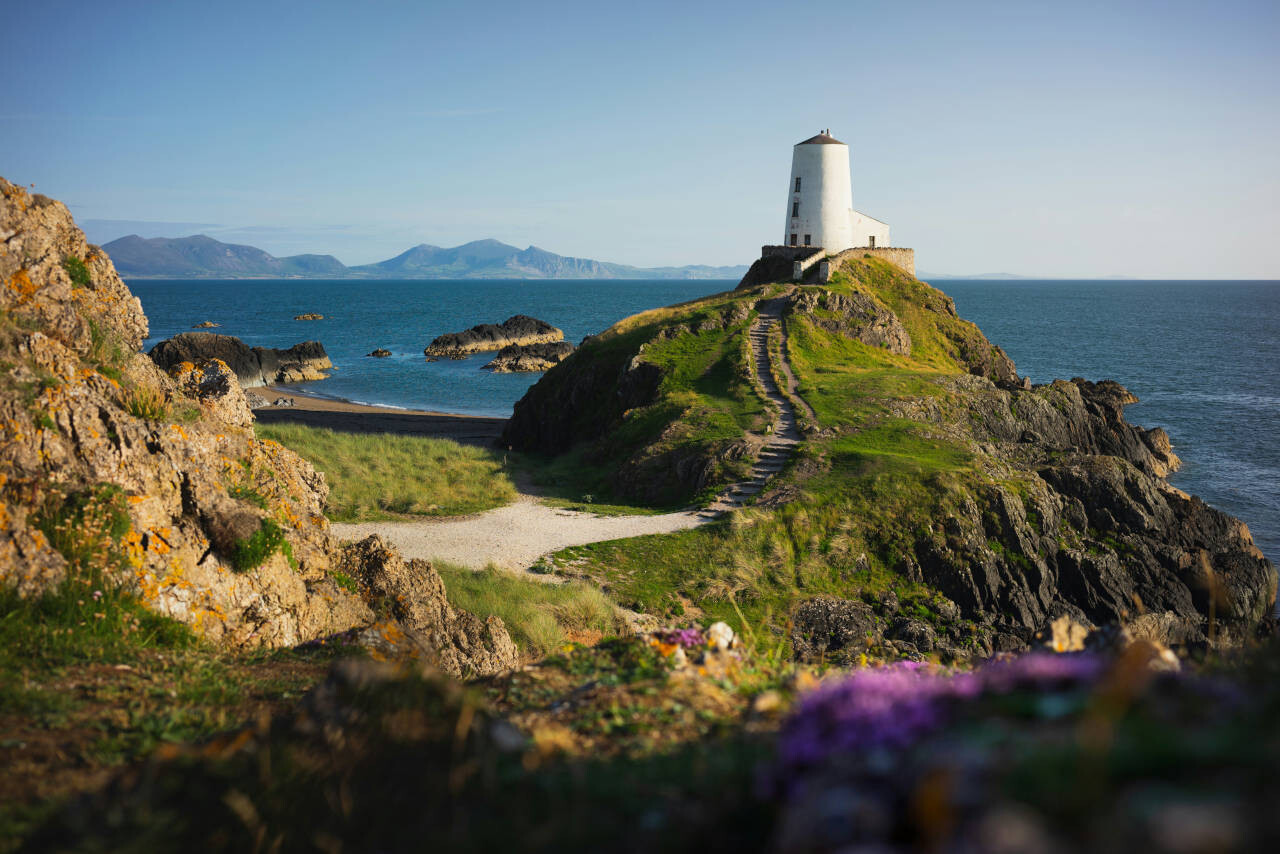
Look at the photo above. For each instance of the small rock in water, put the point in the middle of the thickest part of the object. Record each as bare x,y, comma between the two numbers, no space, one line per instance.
380,353
208,324
308,316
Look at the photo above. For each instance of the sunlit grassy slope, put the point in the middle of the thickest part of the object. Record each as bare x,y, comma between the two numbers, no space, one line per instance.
867,483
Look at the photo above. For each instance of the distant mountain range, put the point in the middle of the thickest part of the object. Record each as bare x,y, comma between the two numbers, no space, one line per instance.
202,257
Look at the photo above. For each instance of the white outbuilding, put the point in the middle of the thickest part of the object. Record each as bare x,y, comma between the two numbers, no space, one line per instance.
820,200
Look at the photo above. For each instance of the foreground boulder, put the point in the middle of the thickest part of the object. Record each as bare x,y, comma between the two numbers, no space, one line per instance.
253,366
413,593
529,358
518,330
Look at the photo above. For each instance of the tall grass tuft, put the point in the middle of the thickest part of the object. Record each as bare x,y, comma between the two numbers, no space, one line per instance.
384,477
148,404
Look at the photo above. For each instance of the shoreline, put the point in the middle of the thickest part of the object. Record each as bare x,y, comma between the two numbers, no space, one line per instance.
347,416
312,402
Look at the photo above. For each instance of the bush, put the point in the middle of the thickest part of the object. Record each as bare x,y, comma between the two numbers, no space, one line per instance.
253,551
106,350
77,271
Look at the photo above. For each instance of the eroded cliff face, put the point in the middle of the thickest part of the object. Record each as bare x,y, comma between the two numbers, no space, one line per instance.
113,468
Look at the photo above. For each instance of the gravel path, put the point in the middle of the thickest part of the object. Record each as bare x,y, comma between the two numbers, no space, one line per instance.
512,537
515,536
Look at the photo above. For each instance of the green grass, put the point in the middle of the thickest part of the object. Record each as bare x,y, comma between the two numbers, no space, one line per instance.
376,477
77,270
540,616
254,550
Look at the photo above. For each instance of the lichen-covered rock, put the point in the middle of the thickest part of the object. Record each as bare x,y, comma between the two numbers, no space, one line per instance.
215,385
413,593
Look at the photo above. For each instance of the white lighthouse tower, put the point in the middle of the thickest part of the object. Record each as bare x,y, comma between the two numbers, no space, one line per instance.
820,200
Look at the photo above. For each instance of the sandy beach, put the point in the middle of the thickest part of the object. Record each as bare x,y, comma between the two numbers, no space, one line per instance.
351,417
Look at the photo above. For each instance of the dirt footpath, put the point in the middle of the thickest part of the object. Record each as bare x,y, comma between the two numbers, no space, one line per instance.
512,537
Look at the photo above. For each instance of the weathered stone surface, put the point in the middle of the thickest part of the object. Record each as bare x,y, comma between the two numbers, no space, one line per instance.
858,316
413,592
918,633
519,329
832,629
529,358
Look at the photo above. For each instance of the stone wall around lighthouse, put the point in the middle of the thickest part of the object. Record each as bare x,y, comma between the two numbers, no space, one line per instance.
820,196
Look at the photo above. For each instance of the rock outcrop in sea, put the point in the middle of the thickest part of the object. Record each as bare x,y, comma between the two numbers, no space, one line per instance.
928,462
253,366
151,481
517,330
529,358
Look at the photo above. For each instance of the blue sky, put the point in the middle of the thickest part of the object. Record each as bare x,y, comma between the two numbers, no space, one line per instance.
1062,139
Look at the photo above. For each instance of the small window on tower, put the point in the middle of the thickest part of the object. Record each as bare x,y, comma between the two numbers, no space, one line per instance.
795,209
793,240
797,185
806,240
873,241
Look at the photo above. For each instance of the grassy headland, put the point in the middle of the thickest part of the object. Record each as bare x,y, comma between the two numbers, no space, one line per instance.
865,484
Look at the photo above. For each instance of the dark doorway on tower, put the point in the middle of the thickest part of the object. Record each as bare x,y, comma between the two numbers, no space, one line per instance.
872,241
793,240
806,239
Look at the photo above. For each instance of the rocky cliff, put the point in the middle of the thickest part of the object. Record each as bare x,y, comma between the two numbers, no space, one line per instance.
929,467
115,470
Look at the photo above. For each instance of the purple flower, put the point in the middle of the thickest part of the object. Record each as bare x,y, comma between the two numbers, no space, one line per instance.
685,638
1041,670
891,708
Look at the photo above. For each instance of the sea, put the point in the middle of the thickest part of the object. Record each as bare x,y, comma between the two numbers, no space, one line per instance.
1203,357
